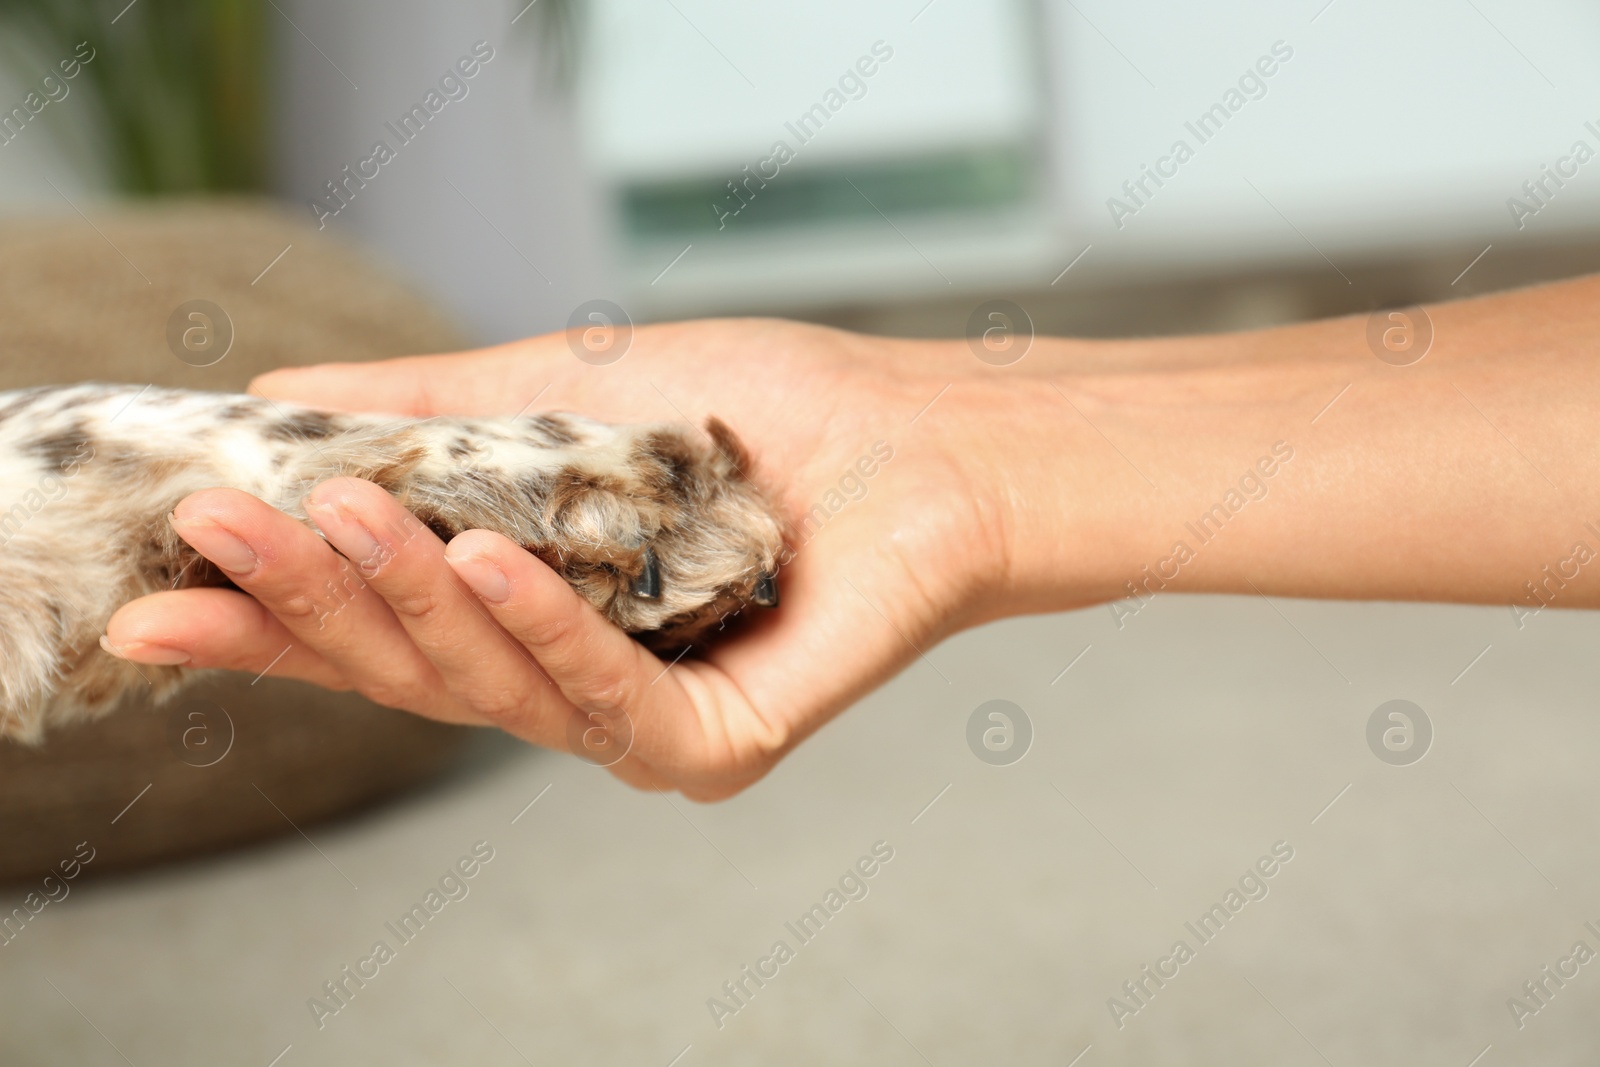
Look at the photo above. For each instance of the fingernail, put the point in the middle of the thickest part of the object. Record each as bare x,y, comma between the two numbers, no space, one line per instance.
140,652
348,535
216,544
482,577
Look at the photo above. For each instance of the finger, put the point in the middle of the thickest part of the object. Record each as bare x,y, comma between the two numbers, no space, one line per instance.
214,628
477,661
599,669
318,595
416,385
497,578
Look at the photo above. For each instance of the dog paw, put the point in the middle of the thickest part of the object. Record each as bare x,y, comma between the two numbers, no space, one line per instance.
658,526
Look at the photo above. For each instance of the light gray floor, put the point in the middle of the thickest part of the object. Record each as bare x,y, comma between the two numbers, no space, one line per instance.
1170,757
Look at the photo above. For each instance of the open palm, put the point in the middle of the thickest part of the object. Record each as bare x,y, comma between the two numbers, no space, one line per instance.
892,537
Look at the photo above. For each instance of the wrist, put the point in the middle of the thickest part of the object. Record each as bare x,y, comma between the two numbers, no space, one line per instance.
1095,460
1055,503
1079,467
1143,466
1068,494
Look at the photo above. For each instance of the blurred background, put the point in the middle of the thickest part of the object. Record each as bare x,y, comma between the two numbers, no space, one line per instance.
599,151
1113,169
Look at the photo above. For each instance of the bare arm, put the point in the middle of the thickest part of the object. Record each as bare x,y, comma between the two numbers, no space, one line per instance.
1287,461
1458,478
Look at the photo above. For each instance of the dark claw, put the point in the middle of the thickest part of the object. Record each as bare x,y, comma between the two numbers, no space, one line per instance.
766,591
648,584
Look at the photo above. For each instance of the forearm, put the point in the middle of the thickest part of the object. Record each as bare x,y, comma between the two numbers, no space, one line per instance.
1293,462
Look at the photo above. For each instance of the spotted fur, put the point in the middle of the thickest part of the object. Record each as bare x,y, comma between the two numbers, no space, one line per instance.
656,525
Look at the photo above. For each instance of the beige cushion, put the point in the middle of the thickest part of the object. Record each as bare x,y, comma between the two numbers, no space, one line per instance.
84,300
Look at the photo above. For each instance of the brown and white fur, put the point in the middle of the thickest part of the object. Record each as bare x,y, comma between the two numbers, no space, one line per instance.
656,525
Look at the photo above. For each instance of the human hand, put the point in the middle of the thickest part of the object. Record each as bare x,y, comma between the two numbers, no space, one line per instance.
899,537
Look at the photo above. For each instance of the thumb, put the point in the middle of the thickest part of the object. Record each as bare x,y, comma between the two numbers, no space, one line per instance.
489,381
395,386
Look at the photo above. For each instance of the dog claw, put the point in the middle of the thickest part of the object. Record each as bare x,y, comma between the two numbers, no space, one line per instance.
648,584
766,591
